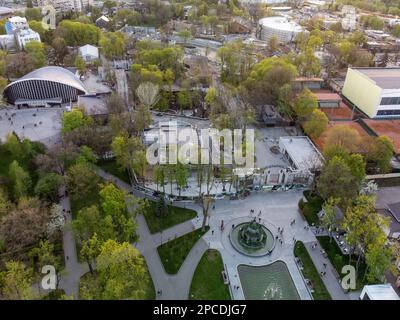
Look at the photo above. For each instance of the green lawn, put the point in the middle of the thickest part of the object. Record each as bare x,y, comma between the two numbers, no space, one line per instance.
111,167
311,208
90,287
310,272
174,216
174,252
339,260
207,283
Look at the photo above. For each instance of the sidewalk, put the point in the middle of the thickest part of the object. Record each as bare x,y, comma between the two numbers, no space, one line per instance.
332,284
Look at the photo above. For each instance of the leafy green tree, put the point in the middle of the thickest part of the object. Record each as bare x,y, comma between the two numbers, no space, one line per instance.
122,271
337,181
378,259
33,14
86,223
76,33
47,186
381,153
82,181
90,250
269,80
44,254
37,51
343,136
316,124
80,65
16,282
113,44
73,120
20,179
181,176
60,49
305,104
329,220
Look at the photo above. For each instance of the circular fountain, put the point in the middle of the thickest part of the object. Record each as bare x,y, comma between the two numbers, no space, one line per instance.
252,239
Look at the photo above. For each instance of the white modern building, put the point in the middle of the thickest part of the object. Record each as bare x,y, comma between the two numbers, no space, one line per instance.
375,91
282,28
18,31
24,36
89,53
379,292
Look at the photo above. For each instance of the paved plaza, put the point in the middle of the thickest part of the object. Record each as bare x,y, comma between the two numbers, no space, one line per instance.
43,124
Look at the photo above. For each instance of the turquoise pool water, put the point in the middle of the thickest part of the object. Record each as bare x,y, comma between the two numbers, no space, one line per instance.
271,282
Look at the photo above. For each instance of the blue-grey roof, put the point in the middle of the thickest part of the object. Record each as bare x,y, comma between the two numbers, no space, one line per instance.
55,74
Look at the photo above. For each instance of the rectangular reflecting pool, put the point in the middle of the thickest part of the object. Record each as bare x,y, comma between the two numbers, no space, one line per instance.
271,282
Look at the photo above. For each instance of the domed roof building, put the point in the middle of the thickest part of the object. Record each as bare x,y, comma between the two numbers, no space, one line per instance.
45,86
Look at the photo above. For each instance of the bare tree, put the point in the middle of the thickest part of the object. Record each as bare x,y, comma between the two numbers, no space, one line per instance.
148,93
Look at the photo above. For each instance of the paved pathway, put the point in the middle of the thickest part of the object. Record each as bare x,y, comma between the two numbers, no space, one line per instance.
332,284
73,269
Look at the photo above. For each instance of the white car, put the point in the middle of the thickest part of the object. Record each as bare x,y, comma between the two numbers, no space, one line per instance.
219,196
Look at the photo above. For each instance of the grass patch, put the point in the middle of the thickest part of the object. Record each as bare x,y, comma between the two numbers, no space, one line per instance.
207,283
111,167
311,208
175,215
310,272
90,287
339,260
174,253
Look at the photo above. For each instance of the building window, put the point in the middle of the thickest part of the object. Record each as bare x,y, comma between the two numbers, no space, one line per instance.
390,100
388,112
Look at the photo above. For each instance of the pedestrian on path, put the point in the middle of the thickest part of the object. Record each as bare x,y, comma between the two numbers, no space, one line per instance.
325,265
212,232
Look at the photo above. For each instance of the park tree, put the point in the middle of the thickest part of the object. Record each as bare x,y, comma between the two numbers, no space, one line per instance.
47,186
44,254
122,271
269,80
25,225
45,34
21,181
305,104
90,250
56,158
73,120
126,149
86,156
337,181
148,93
113,44
142,118
5,203
181,176
329,219
37,51
159,176
364,227
33,14
60,49
236,61
80,65
378,259
16,282
86,223
343,136
114,204
381,153
316,124
115,104
82,181
19,150
76,33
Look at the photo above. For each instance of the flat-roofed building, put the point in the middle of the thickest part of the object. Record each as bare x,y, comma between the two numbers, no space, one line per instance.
375,91
328,99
